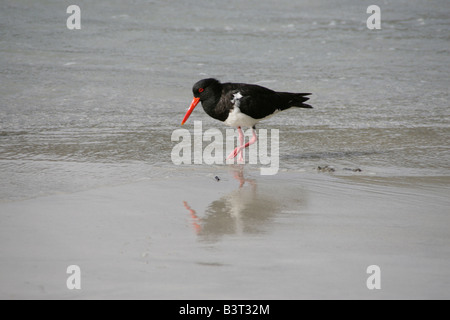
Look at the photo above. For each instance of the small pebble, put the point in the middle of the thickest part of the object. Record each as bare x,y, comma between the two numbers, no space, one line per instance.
325,169
354,170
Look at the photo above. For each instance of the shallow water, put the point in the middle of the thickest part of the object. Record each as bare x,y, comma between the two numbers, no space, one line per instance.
80,109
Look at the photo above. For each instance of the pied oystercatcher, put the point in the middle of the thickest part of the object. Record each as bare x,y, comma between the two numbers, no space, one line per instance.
242,105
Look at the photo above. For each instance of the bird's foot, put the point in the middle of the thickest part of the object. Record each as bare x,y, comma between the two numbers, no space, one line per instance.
237,151
233,154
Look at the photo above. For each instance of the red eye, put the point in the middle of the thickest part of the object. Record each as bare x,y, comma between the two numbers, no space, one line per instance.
200,90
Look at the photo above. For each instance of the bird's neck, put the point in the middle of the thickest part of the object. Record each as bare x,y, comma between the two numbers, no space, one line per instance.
210,103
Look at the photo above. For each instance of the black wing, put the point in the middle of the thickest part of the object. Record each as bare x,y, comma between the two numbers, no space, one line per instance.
256,101
260,102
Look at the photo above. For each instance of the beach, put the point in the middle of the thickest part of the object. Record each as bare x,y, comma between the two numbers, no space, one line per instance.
303,236
96,202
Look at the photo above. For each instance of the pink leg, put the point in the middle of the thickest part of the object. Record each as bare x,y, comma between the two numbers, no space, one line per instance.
239,149
253,139
241,143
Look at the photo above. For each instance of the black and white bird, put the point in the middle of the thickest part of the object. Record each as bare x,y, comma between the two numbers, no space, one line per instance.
242,105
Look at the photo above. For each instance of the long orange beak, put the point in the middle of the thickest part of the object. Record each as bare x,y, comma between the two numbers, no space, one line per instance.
191,108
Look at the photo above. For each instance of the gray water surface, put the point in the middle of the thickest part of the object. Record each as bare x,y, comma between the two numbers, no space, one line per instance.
97,106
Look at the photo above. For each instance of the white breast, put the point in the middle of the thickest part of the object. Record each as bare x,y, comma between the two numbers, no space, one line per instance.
238,119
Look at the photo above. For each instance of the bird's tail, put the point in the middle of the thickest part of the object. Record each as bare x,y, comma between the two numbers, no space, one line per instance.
296,99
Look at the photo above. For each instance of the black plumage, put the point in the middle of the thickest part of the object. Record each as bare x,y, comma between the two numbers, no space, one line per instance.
257,102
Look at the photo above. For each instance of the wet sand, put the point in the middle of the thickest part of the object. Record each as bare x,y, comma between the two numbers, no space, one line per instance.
189,236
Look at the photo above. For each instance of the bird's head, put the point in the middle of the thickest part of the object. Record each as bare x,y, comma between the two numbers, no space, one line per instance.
202,90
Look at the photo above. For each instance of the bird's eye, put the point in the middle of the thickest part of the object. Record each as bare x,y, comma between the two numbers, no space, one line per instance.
200,90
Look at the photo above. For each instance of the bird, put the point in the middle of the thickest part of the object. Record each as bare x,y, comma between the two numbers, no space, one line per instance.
242,105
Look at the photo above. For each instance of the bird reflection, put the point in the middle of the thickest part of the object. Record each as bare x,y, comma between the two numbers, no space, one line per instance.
247,210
